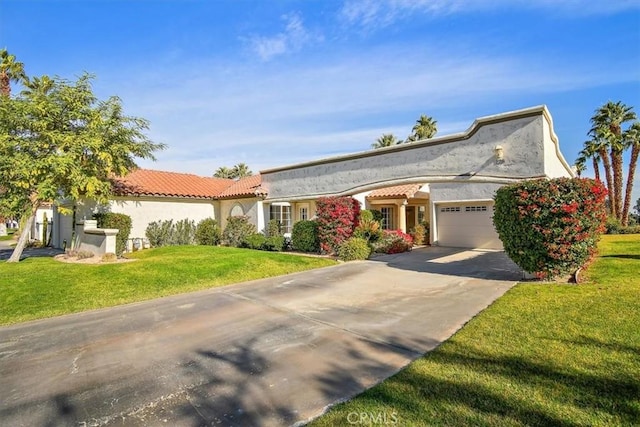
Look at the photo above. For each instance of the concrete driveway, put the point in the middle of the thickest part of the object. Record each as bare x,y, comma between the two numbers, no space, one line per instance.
266,353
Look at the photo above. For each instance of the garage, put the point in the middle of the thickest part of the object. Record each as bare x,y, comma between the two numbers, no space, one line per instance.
467,225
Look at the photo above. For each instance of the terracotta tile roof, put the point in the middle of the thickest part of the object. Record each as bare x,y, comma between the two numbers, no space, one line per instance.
405,191
146,182
247,186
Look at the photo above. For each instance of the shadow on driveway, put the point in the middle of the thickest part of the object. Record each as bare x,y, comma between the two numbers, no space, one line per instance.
474,263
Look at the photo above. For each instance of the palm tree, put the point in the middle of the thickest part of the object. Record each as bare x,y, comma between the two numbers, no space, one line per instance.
37,84
590,151
607,127
223,172
580,164
424,128
386,140
241,170
632,139
10,71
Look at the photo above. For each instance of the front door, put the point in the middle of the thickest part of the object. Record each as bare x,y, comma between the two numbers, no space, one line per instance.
411,217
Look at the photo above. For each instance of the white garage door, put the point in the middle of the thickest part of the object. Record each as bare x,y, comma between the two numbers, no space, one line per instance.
467,225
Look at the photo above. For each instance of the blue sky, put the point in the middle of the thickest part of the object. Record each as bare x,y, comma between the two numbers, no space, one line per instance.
276,82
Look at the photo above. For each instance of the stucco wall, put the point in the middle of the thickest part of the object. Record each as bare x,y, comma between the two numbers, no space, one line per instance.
525,137
142,210
468,154
250,208
146,210
556,165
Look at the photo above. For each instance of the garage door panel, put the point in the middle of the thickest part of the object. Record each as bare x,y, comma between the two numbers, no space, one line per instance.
467,225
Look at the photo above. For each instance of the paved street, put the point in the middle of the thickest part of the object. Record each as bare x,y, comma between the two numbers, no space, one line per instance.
266,353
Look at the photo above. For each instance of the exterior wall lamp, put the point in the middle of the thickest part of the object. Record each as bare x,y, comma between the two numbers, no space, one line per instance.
499,153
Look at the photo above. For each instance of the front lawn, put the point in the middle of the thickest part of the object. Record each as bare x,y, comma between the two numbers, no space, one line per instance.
42,287
541,355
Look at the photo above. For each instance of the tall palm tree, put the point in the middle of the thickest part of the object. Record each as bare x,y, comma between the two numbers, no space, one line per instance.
632,139
424,128
590,151
10,71
580,165
241,170
386,140
223,172
607,126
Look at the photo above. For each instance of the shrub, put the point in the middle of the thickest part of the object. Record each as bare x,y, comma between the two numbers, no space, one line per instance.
366,215
116,220
420,234
160,233
208,233
183,233
275,243
236,231
354,248
304,236
109,257
377,215
393,242
84,254
337,217
632,229
551,227
274,228
254,241
613,225
368,229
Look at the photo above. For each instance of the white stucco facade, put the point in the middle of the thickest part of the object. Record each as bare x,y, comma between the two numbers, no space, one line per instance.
142,210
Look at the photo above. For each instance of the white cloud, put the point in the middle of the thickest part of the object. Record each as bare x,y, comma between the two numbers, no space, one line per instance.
269,115
292,39
376,14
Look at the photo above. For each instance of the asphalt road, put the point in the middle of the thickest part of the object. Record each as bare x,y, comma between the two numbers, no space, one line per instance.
264,353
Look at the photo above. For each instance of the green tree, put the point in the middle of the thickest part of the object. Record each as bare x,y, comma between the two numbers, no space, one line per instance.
59,141
631,139
424,128
223,172
386,140
10,71
241,170
607,128
590,151
236,172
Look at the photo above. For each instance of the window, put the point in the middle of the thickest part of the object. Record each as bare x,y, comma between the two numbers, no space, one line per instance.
450,209
387,218
475,209
304,214
282,214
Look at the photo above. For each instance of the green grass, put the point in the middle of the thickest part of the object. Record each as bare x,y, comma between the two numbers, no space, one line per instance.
541,355
37,288
10,233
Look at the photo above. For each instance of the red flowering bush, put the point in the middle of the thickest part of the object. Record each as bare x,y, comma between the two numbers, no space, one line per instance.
551,227
393,242
337,217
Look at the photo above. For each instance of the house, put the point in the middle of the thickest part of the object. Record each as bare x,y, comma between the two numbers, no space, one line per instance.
448,181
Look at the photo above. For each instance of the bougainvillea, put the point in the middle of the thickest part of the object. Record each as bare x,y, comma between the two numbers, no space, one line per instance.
393,242
551,227
337,217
